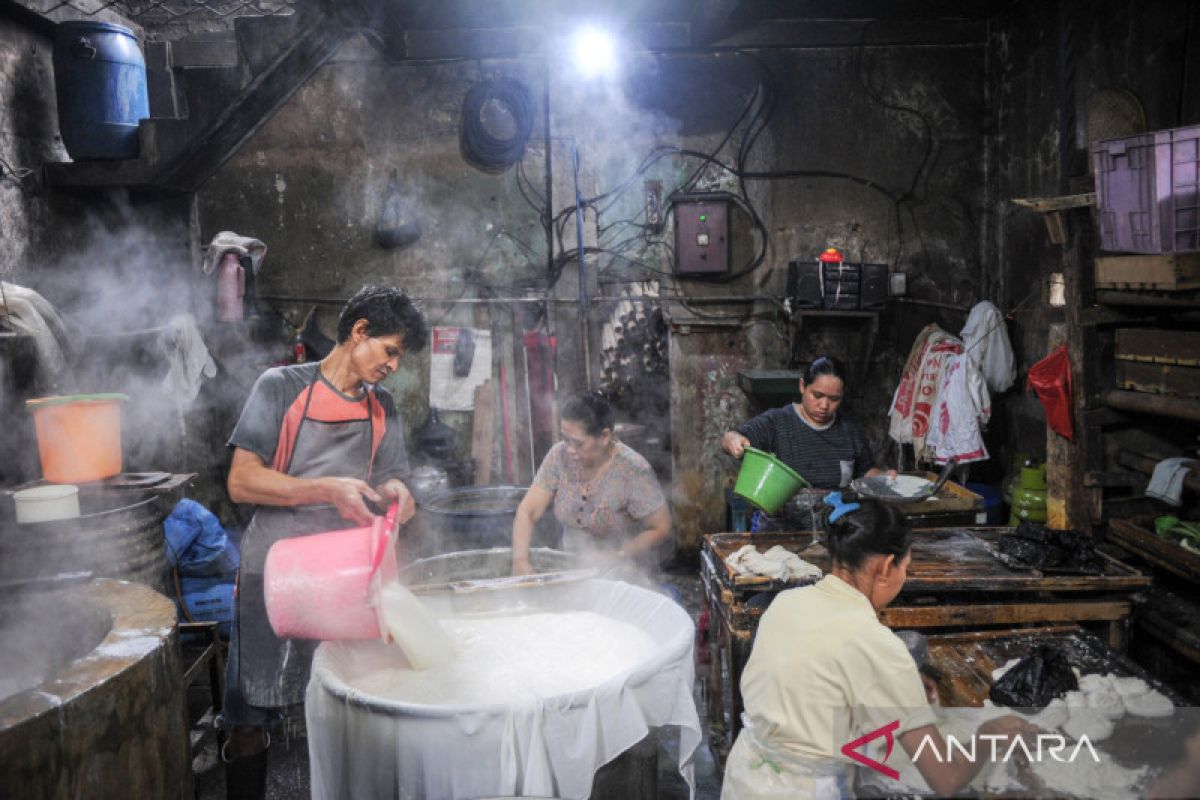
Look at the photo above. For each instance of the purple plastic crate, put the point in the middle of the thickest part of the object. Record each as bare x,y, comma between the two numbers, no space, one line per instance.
1148,191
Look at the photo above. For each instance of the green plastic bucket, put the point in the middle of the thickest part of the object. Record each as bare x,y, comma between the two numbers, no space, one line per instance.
765,481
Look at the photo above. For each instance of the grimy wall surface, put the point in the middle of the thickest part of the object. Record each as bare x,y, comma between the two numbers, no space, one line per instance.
893,123
898,142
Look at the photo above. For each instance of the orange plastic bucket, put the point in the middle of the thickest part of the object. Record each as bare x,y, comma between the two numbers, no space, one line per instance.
79,436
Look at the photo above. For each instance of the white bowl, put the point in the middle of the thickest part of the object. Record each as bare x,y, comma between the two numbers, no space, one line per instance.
47,503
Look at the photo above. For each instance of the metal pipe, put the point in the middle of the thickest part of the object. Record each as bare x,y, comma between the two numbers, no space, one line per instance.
585,305
1165,405
699,301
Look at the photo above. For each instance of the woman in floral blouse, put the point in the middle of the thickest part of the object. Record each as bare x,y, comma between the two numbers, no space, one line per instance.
605,495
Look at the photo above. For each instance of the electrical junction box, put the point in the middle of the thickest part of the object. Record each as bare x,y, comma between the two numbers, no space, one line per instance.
702,245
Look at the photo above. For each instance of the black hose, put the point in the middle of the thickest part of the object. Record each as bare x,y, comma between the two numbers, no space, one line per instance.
479,147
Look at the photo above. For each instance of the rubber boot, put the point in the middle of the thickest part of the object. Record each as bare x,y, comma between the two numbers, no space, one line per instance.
245,757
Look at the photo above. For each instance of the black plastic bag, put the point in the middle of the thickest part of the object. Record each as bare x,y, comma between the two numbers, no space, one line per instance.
1036,546
1035,680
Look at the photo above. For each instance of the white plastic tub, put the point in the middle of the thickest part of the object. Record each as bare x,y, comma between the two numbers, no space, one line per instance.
362,746
47,503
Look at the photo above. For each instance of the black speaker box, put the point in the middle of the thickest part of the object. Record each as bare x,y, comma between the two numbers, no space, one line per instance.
874,287
841,301
804,284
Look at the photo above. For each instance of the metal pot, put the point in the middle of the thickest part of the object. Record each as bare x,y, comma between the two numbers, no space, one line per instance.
475,518
427,481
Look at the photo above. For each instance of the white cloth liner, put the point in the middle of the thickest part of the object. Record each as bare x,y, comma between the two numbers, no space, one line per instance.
365,747
986,338
1166,483
225,241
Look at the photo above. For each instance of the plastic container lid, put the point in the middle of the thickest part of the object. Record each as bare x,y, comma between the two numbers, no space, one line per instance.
58,400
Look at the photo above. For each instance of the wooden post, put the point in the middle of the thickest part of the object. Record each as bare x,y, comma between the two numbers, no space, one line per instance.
481,433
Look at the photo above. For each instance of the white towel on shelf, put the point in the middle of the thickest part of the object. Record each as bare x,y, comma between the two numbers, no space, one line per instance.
1166,483
986,338
778,563
225,241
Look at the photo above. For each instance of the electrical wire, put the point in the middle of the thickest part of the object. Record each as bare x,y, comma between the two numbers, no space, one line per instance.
480,148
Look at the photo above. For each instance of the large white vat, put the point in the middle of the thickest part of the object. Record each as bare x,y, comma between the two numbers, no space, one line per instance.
362,746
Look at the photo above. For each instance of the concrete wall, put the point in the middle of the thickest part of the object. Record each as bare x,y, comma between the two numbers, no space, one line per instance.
111,262
311,181
28,136
1115,45
949,127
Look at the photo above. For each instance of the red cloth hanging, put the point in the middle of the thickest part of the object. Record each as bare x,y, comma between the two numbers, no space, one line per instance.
1051,379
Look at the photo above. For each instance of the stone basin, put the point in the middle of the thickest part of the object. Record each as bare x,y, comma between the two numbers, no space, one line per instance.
91,701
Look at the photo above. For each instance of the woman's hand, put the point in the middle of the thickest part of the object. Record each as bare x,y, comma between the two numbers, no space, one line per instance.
734,443
394,491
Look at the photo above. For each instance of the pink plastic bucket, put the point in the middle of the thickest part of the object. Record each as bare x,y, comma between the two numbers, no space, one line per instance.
319,586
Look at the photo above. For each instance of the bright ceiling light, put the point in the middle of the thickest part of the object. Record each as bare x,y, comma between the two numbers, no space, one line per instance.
595,52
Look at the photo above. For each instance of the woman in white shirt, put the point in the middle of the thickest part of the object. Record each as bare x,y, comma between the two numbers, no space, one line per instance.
824,671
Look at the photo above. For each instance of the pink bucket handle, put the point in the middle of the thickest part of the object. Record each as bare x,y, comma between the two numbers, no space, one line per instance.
381,530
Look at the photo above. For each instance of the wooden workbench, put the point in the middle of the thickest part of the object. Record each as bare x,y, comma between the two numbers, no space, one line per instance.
956,580
1167,620
953,506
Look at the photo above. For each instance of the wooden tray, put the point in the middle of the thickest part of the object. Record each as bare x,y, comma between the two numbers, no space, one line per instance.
944,560
966,660
1136,536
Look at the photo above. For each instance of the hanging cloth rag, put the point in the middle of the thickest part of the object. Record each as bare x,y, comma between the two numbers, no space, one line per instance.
920,383
1166,483
986,338
28,313
187,356
961,411
226,241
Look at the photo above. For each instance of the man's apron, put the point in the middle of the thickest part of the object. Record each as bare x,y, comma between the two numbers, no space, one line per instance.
274,672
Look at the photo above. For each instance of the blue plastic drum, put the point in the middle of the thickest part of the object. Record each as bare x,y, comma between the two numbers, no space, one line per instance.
100,79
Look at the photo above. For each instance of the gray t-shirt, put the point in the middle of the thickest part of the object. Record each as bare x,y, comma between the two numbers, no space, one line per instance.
817,454
277,402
